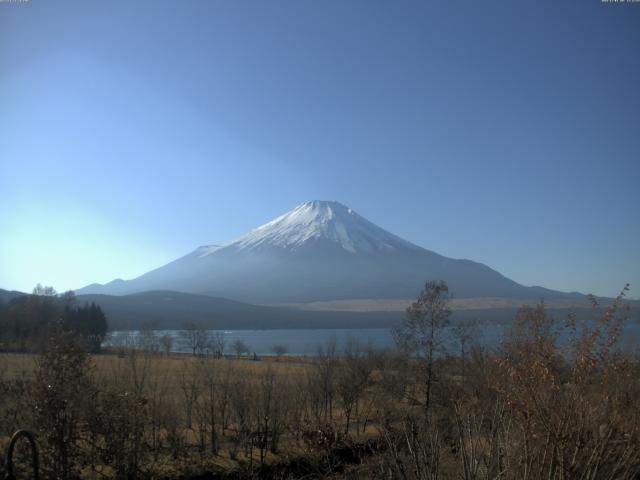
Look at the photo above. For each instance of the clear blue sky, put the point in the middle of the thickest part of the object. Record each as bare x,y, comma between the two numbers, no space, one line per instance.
505,132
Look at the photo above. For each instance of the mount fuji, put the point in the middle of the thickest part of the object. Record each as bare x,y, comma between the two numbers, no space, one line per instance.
319,251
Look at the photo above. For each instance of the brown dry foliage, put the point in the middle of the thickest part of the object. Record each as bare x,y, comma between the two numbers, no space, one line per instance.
555,401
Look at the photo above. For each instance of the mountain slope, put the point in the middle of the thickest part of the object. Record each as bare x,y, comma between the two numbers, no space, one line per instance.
8,295
319,251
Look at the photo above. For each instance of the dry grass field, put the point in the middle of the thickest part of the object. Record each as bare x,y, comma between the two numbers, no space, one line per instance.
110,365
400,305
180,392
533,408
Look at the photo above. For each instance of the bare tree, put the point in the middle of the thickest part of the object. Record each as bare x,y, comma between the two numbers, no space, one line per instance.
326,364
240,347
43,291
279,350
190,387
466,333
209,402
218,343
148,340
420,333
166,342
353,378
195,338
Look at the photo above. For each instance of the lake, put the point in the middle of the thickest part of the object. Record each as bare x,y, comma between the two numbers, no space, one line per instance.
306,342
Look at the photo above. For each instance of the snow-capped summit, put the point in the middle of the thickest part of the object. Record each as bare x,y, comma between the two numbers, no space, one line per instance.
320,250
319,220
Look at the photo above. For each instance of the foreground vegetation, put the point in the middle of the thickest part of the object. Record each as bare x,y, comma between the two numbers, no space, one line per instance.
532,408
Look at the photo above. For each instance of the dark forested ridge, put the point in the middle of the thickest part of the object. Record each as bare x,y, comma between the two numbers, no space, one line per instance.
27,321
8,295
172,310
164,309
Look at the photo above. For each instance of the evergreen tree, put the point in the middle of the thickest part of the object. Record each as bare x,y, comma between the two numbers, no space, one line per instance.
26,322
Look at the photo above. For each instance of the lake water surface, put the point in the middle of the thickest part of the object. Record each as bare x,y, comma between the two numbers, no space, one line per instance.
306,342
